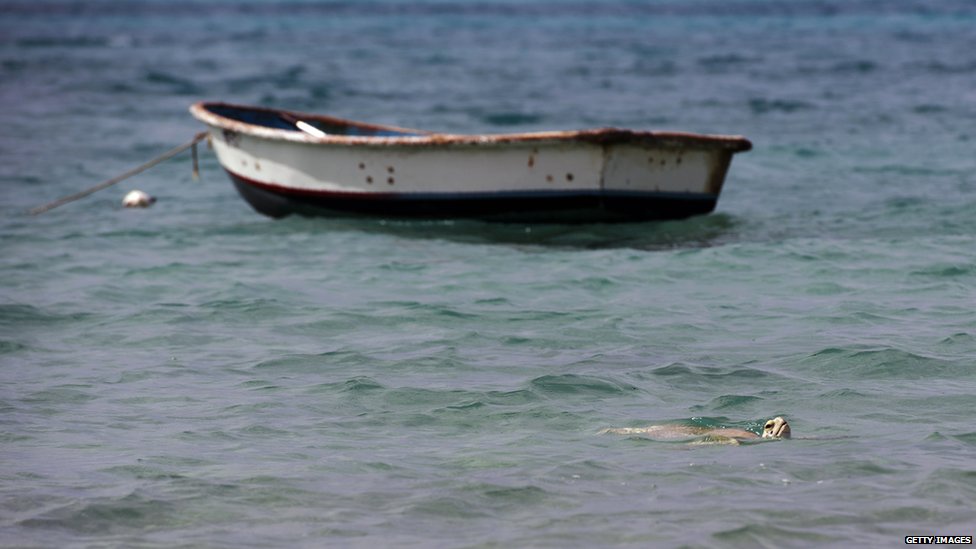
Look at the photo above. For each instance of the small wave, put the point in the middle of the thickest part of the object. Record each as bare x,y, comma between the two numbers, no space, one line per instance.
940,67
173,84
493,301
829,351
15,66
300,363
7,347
499,497
887,363
286,362
72,42
709,372
259,385
856,67
726,402
512,398
142,472
445,507
391,310
927,108
904,169
949,484
961,338
259,307
827,288
725,60
414,397
19,315
466,406
766,106
577,384
895,361
353,386
967,438
805,152
131,513
841,394
479,500
765,535
942,271
864,468
64,394
507,119
263,431
361,384
596,283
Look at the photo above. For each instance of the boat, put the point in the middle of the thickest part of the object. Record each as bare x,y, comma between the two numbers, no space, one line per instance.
286,162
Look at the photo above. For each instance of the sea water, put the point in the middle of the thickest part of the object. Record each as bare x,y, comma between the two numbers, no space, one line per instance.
197,375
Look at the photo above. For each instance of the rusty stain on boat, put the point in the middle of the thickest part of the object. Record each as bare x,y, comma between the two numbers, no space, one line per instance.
232,138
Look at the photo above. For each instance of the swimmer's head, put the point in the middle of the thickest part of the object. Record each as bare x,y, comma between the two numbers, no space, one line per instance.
776,428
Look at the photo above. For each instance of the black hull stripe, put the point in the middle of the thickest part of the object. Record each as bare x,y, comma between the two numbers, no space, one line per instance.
583,206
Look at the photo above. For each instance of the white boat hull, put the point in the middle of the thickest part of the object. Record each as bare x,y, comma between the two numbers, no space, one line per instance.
590,175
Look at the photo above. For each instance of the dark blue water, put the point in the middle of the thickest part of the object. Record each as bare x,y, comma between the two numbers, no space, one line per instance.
195,374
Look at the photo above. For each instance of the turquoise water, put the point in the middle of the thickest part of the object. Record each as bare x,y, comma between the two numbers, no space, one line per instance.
195,374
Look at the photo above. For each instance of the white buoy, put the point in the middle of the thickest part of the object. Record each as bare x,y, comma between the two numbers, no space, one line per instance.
137,170
138,199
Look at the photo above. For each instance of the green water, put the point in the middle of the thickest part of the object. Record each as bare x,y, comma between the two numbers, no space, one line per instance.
197,375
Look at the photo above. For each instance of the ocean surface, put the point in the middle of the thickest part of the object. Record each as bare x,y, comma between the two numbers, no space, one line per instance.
198,375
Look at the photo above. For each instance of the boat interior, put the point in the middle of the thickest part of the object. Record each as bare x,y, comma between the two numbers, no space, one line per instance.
283,120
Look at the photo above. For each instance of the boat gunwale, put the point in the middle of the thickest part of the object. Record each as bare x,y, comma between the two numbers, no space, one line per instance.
601,136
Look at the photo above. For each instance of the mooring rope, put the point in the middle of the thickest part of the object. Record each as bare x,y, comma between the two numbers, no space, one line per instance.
192,144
